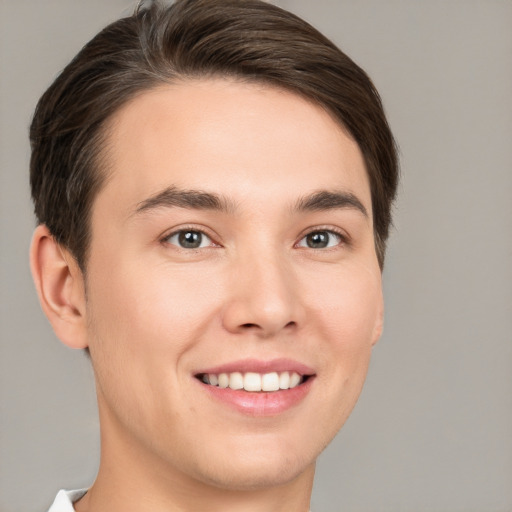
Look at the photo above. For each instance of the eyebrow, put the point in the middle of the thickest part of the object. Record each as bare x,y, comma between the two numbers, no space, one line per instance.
199,200
192,199
330,200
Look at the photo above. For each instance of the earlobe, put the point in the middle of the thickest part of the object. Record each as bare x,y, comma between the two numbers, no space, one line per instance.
60,286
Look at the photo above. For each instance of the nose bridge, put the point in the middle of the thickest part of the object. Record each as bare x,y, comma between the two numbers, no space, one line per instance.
263,292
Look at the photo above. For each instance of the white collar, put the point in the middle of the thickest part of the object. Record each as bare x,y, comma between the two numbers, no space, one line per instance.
64,500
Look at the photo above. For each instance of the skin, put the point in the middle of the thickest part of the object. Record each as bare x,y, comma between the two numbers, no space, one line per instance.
153,313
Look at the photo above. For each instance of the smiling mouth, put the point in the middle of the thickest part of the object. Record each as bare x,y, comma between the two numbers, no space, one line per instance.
254,382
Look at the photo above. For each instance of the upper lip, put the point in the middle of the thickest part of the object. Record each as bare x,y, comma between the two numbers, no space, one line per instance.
260,366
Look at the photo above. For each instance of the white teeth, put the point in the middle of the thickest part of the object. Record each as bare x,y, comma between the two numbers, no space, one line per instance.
254,382
236,381
284,380
223,380
294,379
270,382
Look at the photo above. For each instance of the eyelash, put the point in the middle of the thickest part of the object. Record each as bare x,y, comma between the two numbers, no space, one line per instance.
342,237
187,229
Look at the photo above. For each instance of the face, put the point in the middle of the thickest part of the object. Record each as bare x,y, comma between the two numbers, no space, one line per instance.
233,290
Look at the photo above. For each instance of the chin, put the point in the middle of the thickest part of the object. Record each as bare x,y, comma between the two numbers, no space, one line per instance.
246,477
251,468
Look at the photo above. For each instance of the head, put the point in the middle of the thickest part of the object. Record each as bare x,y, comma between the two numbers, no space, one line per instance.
214,180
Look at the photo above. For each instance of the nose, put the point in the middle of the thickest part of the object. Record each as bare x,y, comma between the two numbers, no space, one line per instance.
264,297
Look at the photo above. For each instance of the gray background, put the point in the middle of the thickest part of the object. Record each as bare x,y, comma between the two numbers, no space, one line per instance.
433,428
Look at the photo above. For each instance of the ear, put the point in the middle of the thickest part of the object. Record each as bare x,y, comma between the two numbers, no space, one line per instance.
379,320
60,286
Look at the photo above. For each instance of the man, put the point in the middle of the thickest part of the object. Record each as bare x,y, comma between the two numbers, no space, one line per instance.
213,183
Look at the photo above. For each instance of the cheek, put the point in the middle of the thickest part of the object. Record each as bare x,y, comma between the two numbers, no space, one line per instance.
154,307
141,326
349,305
344,307
145,321
348,316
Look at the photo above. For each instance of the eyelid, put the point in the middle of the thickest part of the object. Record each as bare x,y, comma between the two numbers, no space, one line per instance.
164,239
341,234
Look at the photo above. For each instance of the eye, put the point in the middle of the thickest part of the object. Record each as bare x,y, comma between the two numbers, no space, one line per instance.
189,239
324,239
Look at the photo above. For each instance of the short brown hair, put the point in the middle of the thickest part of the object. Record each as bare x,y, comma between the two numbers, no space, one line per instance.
246,39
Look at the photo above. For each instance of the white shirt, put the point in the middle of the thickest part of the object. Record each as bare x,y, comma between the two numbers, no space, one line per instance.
65,499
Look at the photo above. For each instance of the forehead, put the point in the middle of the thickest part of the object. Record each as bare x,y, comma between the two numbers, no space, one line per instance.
240,139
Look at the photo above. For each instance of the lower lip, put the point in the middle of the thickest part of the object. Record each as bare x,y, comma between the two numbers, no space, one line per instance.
263,403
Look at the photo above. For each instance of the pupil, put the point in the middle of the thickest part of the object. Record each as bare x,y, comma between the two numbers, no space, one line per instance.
190,239
318,240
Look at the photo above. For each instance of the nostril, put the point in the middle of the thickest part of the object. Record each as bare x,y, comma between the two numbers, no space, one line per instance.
249,326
